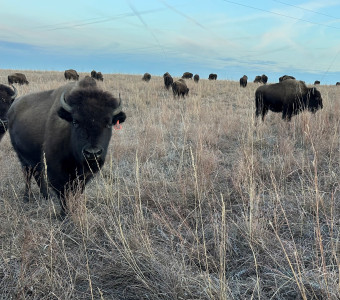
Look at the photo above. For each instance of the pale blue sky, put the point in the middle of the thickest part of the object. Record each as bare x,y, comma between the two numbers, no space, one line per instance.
230,38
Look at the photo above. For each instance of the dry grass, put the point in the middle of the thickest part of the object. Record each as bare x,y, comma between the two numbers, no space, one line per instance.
194,202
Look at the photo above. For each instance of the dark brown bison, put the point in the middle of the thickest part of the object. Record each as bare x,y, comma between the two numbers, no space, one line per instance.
261,79
285,77
146,77
17,78
289,97
264,78
243,81
168,80
187,75
166,74
212,76
258,79
316,82
338,83
7,96
179,88
68,129
97,75
196,78
71,74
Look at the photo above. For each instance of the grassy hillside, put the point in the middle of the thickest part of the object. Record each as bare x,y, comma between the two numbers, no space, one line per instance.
194,202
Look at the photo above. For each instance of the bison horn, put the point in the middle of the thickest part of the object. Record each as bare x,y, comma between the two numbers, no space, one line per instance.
63,103
119,108
15,92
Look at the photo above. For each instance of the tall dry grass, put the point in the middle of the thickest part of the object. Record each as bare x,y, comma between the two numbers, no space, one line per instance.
194,202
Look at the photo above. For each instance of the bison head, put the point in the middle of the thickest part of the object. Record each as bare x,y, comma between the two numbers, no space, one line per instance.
91,114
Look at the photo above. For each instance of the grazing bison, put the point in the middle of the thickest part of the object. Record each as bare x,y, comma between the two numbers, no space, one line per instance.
97,75
68,130
7,96
17,78
243,81
285,77
258,79
289,97
187,75
264,78
212,76
179,88
168,80
71,74
316,82
196,78
146,77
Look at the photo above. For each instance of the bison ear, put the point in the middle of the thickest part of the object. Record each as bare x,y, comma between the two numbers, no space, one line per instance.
120,117
64,114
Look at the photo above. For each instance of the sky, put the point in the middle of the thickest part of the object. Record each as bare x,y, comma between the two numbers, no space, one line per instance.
229,38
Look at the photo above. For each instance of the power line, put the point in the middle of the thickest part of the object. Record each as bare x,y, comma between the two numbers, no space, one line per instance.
306,9
281,15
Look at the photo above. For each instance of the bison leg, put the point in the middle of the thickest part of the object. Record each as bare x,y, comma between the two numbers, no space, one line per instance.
287,113
27,170
41,182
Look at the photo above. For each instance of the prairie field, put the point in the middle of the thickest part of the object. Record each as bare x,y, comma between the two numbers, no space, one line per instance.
196,200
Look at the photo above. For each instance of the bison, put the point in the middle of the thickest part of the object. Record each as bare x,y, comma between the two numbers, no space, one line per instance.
168,80
338,83
187,75
68,130
97,75
146,77
289,97
71,74
7,96
179,88
258,79
316,82
264,78
17,78
212,76
243,81
196,78
285,77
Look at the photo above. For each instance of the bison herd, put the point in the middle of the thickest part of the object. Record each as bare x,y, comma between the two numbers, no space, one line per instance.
78,118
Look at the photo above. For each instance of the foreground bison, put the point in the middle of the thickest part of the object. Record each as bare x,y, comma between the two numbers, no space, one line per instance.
179,88
244,81
68,130
289,97
17,78
7,96
71,74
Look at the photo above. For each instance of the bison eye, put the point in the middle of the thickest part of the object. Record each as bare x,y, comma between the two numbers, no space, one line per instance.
75,123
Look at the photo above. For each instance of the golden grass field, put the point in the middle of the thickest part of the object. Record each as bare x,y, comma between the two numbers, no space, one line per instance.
194,202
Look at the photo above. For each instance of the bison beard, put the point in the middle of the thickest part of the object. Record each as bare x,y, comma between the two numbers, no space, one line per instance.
70,136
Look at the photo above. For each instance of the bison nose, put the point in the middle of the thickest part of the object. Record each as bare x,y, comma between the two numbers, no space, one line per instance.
92,152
